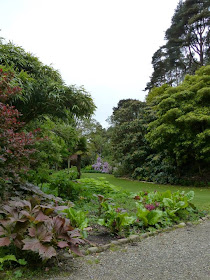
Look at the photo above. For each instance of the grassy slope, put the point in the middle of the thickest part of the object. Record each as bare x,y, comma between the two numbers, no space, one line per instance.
202,195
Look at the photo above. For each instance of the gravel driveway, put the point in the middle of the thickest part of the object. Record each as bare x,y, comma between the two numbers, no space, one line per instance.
181,254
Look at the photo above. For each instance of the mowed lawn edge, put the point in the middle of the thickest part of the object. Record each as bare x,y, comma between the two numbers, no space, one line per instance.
202,195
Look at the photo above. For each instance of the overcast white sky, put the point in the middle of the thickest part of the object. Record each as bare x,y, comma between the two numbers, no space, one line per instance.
105,45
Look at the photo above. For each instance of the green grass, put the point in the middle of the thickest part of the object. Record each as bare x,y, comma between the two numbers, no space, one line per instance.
202,195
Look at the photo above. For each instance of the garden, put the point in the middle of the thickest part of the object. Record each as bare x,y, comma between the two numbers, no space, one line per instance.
39,227
68,185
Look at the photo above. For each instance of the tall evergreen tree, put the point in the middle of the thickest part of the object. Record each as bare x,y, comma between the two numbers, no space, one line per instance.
187,44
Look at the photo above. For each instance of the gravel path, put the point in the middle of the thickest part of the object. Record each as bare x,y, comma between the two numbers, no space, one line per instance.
181,254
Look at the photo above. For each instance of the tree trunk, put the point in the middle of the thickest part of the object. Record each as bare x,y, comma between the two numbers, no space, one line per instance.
69,163
79,166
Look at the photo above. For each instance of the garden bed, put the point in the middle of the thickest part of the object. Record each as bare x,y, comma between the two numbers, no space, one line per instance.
100,217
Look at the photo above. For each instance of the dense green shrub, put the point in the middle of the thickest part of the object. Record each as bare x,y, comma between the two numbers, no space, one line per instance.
91,186
62,181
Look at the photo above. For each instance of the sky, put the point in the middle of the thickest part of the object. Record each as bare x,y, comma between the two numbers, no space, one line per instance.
104,45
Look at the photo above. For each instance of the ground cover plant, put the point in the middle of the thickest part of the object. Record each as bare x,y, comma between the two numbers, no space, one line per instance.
201,198
124,212
32,226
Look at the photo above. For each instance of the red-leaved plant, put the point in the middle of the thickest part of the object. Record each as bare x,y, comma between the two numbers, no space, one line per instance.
16,147
38,228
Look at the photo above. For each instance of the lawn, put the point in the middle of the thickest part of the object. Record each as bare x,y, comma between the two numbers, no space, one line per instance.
202,195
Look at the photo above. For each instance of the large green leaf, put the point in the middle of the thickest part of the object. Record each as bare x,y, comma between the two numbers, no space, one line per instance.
190,195
168,202
8,258
154,216
142,213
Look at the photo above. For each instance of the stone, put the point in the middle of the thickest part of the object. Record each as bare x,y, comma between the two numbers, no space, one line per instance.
115,242
66,256
105,247
84,252
123,240
134,237
144,235
93,250
175,226
181,225
151,233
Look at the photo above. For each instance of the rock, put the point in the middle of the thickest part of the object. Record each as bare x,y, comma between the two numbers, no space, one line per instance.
66,256
93,250
144,235
175,226
115,242
105,247
84,252
134,237
150,233
123,240
181,225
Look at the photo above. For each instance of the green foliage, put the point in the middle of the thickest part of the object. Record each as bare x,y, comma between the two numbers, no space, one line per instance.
11,258
153,209
78,219
163,208
101,201
180,132
89,169
187,45
59,141
129,146
201,199
148,217
62,181
44,90
116,219
39,176
91,186
97,140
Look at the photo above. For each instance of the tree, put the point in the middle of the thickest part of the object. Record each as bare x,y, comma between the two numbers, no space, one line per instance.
187,44
43,90
96,137
59,139
80,149
189,29
129,147
181,131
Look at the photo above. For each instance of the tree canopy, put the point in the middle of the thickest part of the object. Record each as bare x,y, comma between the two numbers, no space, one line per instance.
43,90
187,44
181,128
